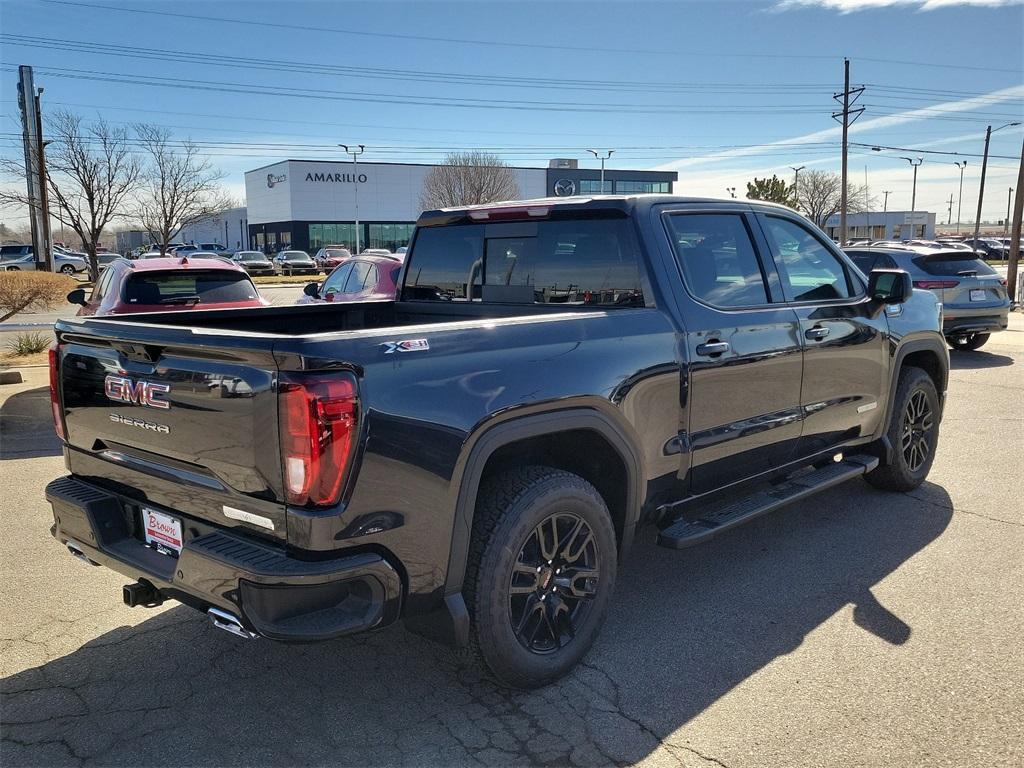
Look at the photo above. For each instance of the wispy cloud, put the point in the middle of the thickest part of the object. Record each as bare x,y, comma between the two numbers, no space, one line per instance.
888,121
850,6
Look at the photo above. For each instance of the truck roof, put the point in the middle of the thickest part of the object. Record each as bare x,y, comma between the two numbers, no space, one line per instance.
542,206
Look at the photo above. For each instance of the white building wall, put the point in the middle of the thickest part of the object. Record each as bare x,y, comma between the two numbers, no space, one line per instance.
299,190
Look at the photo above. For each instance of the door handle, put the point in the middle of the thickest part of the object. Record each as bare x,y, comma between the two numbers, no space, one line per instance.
816,334
713,348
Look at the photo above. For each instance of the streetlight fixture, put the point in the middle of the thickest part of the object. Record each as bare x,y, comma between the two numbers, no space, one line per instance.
984,166
355,180
731,191
913,193
960,199
597,154
796,176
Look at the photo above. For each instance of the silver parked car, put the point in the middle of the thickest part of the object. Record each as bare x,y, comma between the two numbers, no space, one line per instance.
22,257
974,299
254,262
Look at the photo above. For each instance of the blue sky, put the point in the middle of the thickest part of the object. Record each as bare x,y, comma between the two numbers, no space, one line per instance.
720,91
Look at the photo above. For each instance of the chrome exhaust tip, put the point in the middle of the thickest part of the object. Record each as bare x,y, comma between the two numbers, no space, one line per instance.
76,549
229,623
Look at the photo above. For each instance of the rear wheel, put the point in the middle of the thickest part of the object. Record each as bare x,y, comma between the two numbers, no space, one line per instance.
540,574
968,342
67,269
913,433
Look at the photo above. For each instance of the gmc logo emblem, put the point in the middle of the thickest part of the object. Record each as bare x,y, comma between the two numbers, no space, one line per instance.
126,390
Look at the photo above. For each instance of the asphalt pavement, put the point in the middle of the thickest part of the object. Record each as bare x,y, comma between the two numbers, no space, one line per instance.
857,628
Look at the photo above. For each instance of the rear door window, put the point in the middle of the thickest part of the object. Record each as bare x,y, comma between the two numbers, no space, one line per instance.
573,261
188,287
360,271
720,266
953,263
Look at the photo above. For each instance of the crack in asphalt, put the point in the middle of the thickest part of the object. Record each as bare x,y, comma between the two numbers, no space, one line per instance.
957,510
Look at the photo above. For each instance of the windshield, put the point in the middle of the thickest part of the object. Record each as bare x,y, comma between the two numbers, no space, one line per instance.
338,253
293,256
251,256
192,286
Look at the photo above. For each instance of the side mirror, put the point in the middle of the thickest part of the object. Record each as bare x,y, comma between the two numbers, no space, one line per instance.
77,296
312,290
889,286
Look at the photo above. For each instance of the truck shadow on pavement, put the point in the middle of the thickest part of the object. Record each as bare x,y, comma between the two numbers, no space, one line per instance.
26,426
973,361
685,629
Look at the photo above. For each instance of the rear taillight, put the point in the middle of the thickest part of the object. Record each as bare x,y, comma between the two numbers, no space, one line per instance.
933,284
318,428
58,415
1002,281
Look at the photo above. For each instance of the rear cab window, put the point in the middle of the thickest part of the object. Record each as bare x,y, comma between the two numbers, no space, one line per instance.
188,286
593,261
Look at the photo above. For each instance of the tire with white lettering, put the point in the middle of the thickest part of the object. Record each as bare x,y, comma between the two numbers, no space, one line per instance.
541,572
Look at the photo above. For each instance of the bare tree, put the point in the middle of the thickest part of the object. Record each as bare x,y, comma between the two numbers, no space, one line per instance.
819,195
178,185
468,178
91,175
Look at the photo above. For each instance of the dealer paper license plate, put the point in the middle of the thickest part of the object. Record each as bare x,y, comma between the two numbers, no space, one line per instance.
978,294
162,531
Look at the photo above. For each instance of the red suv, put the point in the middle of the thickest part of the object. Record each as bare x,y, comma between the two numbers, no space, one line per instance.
158,285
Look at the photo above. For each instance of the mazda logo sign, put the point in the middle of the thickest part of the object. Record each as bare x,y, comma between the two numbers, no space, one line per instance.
565,188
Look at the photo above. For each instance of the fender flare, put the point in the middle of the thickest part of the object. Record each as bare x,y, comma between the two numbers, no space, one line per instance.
928,344
521,428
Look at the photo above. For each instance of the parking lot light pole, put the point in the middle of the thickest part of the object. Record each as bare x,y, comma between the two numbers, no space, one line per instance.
355,179
984,167
913,193
731,191
596,154
960,199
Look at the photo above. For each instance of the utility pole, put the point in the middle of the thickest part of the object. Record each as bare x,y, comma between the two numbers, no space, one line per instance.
27,103
885,213
845,116
960,196
595,153
1018,210
984,167
949,217
355,178
913,193
44,195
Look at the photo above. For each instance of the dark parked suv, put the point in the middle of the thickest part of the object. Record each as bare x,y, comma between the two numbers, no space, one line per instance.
476,456
974,299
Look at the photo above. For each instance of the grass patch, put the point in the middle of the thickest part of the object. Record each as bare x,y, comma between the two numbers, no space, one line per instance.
28,344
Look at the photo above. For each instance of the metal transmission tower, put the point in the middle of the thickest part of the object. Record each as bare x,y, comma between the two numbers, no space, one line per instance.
847,117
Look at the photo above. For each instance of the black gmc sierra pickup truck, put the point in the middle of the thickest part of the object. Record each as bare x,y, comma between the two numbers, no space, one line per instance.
476,456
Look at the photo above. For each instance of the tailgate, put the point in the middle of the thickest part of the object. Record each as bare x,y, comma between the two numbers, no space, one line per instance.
187,426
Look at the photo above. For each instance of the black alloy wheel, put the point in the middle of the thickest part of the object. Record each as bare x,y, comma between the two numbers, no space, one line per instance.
554,582
918,422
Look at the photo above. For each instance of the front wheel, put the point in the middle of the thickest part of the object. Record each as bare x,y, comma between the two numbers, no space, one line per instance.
540,575
67,269
913,433
968,342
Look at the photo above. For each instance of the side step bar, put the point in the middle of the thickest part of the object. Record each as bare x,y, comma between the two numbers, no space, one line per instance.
718,518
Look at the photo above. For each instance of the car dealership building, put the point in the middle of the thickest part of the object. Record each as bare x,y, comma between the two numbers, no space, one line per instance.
307,204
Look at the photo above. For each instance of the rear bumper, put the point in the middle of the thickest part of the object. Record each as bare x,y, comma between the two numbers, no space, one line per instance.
976,321
273,593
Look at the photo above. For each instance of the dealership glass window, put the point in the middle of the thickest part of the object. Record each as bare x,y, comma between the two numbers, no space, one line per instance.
634,187
593,187
316,236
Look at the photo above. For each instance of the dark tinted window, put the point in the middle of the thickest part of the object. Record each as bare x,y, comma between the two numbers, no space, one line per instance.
584,261
444,260
718,259
952,263
865,260
181,287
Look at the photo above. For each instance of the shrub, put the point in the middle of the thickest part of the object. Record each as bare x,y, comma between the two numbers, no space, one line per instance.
21,290
29,344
